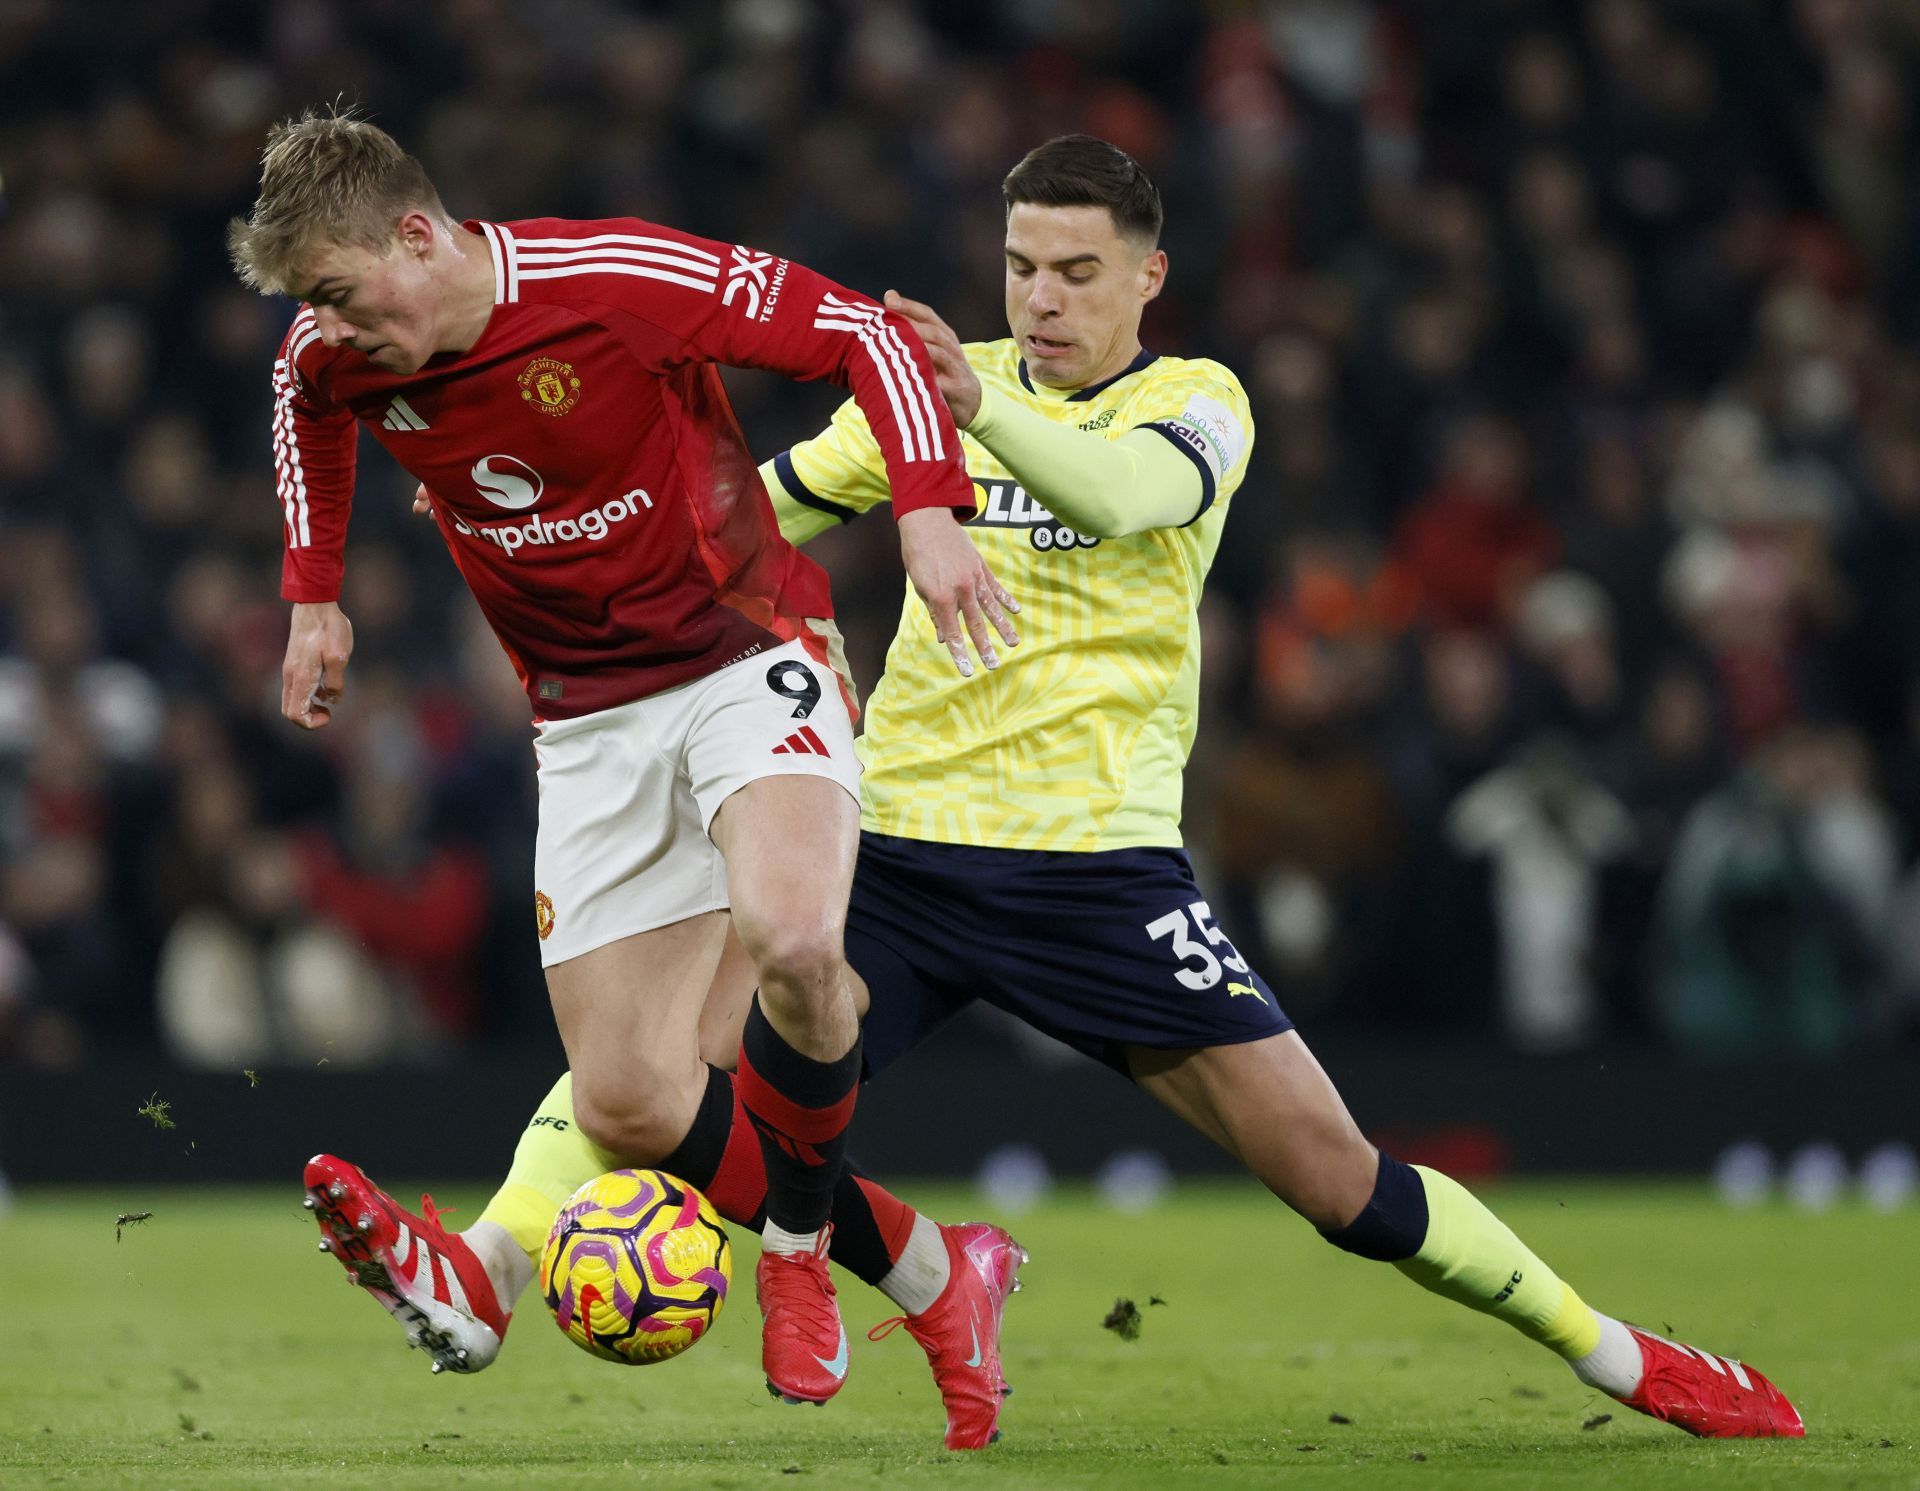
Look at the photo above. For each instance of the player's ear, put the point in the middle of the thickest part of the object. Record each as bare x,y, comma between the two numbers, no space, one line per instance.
1153,274
414,233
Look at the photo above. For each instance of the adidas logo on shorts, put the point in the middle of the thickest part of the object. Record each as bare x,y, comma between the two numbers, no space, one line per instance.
803,742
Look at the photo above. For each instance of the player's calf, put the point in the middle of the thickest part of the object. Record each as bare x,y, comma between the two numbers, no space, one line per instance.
427,1278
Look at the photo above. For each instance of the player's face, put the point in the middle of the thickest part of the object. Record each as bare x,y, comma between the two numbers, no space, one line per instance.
384,306
1075,291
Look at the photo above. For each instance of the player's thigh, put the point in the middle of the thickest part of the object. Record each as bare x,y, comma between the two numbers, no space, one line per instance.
1270,1103
769,754
629,1015
789,844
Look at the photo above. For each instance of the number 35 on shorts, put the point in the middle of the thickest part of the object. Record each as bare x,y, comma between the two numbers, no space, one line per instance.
1201,967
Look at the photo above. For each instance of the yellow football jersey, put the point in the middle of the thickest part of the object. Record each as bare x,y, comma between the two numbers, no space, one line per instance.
1078,740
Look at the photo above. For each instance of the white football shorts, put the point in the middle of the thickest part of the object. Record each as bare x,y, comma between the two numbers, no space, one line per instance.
627,794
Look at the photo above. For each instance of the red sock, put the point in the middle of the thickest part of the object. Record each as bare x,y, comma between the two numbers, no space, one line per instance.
739,1188
870,1224
890,1218
800,1109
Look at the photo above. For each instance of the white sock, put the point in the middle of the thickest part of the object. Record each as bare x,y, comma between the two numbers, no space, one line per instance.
778,1240
920,1277
1614,1365
507,1265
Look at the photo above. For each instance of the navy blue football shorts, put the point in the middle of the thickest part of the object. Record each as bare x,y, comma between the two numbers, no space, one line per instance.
1100,950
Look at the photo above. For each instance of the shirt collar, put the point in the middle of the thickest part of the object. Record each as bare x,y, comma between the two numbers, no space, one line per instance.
1092,390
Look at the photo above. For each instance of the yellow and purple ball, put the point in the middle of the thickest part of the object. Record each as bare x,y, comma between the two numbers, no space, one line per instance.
636,1267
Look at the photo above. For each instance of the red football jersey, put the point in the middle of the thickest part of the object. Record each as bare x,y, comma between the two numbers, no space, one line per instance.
587,472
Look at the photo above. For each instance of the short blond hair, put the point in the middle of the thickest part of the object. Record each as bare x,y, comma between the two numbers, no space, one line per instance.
325,178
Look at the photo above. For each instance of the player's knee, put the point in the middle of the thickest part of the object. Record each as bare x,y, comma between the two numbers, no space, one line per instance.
799,963
634,1120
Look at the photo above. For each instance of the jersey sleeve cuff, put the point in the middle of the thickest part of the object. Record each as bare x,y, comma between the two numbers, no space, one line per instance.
801,493
935,494
1207,486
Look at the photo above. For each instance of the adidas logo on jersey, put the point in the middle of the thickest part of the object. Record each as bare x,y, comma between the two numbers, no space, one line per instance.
400,416
803,742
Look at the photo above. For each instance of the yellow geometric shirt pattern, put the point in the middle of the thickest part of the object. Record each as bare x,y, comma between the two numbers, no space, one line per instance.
1078,740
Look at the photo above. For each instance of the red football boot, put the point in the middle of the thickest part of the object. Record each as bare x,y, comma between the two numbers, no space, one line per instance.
803,1346
427,1278
1712,1396
960,1331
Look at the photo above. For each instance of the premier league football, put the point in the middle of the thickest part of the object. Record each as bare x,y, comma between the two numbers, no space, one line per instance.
636,1268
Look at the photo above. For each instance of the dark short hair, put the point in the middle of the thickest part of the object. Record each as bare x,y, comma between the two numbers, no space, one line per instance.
1081,171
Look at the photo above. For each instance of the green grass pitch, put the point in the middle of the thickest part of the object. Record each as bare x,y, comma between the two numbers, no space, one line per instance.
213,1347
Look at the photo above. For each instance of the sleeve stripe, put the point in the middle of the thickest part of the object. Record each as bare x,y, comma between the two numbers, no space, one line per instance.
882,344
892,388
289,479
510,251
630,240
499,263
1199,464
565,271
801,493
621,254
918,386
922,437
301,334
848,317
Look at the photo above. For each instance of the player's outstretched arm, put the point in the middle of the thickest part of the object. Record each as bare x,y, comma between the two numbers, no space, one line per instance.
313,459
1104,488
315,671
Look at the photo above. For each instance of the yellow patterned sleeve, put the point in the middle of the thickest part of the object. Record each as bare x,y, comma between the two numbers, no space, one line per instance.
830,479
1204,413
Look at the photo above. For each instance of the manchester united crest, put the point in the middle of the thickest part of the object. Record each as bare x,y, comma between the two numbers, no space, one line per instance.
543,913
549,385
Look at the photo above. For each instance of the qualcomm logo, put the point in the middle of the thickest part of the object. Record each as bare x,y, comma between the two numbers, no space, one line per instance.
593,525
499,482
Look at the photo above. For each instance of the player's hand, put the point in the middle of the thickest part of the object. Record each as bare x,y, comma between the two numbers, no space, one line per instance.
959,384
960,591
422,501
315,672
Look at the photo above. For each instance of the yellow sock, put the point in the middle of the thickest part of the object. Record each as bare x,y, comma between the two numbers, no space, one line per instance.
552,1160
1471,1256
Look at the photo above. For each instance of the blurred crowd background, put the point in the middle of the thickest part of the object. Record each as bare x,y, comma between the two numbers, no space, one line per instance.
1562,649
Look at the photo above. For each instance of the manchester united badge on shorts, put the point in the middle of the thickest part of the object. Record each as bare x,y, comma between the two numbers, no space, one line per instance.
549,385
543,913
